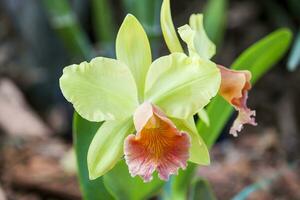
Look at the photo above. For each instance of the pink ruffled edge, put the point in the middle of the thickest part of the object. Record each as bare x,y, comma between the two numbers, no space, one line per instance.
158,145
234,88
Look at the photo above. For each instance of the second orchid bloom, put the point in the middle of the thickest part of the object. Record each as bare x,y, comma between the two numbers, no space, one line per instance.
234,84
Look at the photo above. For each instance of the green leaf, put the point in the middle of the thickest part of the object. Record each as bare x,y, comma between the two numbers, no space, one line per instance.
64,22
124,187
133,49
202,190
294,57
182,183
181,85
106,148
210,133
215,19
202,114
178,186
258,59
262,55
168,29
83,133
103,89
188,186
103,21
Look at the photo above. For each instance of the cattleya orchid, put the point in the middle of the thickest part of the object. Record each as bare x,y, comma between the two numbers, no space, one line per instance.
146,107
234,84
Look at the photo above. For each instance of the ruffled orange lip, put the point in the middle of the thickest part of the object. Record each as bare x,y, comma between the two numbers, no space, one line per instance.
158,145
234,89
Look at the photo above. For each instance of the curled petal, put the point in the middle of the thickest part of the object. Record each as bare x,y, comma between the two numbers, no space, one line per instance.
234,89
196,38
158,145
168,29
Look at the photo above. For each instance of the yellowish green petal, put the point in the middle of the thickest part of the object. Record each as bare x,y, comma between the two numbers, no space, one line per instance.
195,37
198,152
203,116
181,85
106,148
187,34
103,89
132,48
168,29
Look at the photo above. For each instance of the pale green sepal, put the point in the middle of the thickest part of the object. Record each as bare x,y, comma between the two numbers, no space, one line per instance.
106,148
133,48
198,151
203,116
195,37
103,89
181,85
168,29
205,47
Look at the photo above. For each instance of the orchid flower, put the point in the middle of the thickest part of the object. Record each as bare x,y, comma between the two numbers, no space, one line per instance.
146,107
234,84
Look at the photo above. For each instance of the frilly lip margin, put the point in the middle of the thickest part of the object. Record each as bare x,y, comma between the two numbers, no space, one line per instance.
157,145
234,88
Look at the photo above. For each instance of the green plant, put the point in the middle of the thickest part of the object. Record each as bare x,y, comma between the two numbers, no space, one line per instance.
179,105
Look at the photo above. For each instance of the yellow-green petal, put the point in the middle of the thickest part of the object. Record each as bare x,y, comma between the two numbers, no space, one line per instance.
181,85
133,48
195,37
168,29
106,148
198,151
103,89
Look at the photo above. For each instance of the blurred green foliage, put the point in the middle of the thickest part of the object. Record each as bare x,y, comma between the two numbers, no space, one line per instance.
123,187
103,21
64,22
294,57
201,189
215,19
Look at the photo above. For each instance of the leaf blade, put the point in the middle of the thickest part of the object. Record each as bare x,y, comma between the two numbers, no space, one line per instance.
168,29
129,188
83,133
215,20
201,189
